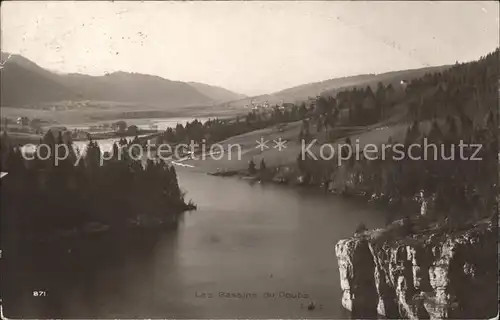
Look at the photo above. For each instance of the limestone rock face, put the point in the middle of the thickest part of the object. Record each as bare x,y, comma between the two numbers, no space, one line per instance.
415,270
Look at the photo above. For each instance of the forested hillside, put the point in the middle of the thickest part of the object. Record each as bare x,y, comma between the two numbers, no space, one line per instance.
446,108
117,193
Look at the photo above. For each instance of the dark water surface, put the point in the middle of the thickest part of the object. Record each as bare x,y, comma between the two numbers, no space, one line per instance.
245,243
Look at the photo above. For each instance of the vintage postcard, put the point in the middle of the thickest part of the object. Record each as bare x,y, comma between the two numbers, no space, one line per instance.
249,159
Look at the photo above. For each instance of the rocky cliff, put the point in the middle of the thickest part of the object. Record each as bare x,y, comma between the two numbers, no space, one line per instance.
416,269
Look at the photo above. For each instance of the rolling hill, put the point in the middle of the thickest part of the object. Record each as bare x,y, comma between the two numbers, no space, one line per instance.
303,92
23,83
135,88
217,94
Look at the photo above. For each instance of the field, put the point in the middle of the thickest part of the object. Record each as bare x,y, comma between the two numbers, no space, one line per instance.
84,116
105,111
248,144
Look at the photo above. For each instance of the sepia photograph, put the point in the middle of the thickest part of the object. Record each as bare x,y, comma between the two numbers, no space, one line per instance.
249,159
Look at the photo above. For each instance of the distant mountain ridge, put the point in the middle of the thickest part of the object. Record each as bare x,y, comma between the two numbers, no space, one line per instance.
23,82
135,88
328,87
218,94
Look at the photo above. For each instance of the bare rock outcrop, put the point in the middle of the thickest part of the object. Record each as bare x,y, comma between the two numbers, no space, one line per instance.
418,270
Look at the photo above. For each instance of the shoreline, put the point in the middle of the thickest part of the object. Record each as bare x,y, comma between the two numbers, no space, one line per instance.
409,208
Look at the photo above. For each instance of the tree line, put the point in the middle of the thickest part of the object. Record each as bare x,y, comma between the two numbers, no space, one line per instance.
459,104
120,193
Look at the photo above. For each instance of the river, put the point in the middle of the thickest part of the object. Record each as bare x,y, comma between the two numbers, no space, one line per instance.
245,238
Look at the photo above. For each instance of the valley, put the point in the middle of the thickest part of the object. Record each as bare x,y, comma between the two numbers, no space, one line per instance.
135,194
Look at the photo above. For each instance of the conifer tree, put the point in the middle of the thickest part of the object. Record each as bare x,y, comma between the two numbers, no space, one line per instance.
251,167
262,167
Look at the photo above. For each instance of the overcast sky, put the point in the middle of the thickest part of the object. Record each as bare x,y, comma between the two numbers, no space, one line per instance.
248,47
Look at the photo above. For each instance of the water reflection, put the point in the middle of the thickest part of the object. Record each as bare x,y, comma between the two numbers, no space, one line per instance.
272,245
